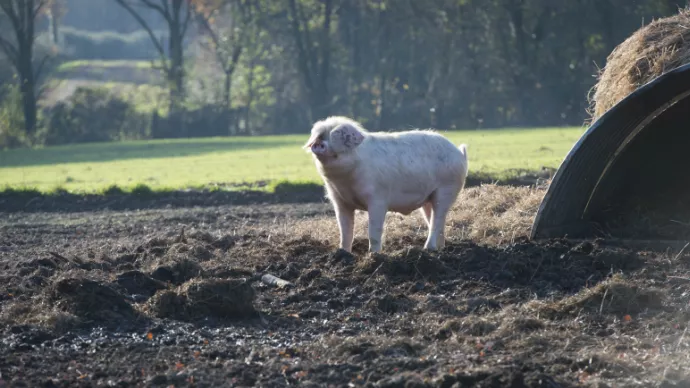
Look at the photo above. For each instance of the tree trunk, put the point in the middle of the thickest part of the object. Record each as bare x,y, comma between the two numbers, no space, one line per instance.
54,28
27,88
176,70
226,89
250,96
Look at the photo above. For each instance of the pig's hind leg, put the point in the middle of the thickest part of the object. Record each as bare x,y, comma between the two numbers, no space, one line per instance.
441,202
426,212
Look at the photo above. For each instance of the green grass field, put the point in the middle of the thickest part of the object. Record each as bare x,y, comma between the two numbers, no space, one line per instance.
173,164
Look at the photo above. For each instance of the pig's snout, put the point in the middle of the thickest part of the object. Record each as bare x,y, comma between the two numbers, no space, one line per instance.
319,148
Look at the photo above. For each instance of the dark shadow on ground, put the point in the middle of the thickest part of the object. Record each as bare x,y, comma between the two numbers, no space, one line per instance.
30,201
104,152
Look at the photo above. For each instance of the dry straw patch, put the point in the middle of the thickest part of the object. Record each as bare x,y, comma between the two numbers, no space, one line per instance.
651,51
489,214
615,296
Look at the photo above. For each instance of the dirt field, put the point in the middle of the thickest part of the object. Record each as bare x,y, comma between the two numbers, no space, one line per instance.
171,295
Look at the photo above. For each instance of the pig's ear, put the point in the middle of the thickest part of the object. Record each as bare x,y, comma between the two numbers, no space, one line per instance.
312,140
346,137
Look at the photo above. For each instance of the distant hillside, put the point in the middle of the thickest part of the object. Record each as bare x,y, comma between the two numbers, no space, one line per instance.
134,81
106,15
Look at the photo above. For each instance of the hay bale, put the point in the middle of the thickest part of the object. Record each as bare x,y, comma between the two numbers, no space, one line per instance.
651,51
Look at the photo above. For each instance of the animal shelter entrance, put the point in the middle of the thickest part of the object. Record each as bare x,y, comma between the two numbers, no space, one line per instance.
626,176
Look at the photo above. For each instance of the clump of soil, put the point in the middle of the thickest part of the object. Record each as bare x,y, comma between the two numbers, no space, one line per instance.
90,300
136,282
196,251
391,303
228,299
409,264
177,271
305,245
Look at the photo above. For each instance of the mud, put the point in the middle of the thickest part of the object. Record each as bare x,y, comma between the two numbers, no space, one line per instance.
174,297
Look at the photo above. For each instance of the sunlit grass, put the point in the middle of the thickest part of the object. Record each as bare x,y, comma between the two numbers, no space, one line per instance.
72,65
182,163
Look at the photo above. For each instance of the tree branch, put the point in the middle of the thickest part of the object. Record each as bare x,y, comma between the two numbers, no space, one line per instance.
39,69
38,7
148,30
236,53
163,11
203,22
215,43
185,23
10,51
8,7
166,8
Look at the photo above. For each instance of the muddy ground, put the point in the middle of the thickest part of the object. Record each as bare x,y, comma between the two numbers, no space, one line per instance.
173,296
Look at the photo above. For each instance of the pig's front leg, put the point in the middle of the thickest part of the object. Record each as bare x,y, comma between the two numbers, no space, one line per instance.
377,218
346,223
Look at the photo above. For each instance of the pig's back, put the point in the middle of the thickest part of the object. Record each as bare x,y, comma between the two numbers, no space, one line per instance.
411,162
413,152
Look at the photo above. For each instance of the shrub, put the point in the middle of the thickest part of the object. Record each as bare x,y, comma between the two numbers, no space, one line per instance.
206,121
12,132
141,189
94,115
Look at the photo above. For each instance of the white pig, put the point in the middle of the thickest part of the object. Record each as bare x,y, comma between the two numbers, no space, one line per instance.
380,172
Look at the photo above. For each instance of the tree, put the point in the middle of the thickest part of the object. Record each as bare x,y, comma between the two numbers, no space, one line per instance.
225,24
22,16
313,54
177,15
56,9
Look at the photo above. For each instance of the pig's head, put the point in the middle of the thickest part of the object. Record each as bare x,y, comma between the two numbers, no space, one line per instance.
334,141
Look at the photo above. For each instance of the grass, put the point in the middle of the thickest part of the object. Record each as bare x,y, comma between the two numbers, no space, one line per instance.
78,64
239,161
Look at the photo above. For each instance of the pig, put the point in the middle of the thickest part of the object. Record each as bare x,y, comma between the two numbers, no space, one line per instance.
378,172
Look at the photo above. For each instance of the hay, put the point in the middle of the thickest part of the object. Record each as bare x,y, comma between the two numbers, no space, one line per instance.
489,214
651,51
615,296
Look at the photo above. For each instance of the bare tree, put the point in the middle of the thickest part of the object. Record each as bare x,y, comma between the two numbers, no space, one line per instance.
225,25
177,15
22,17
